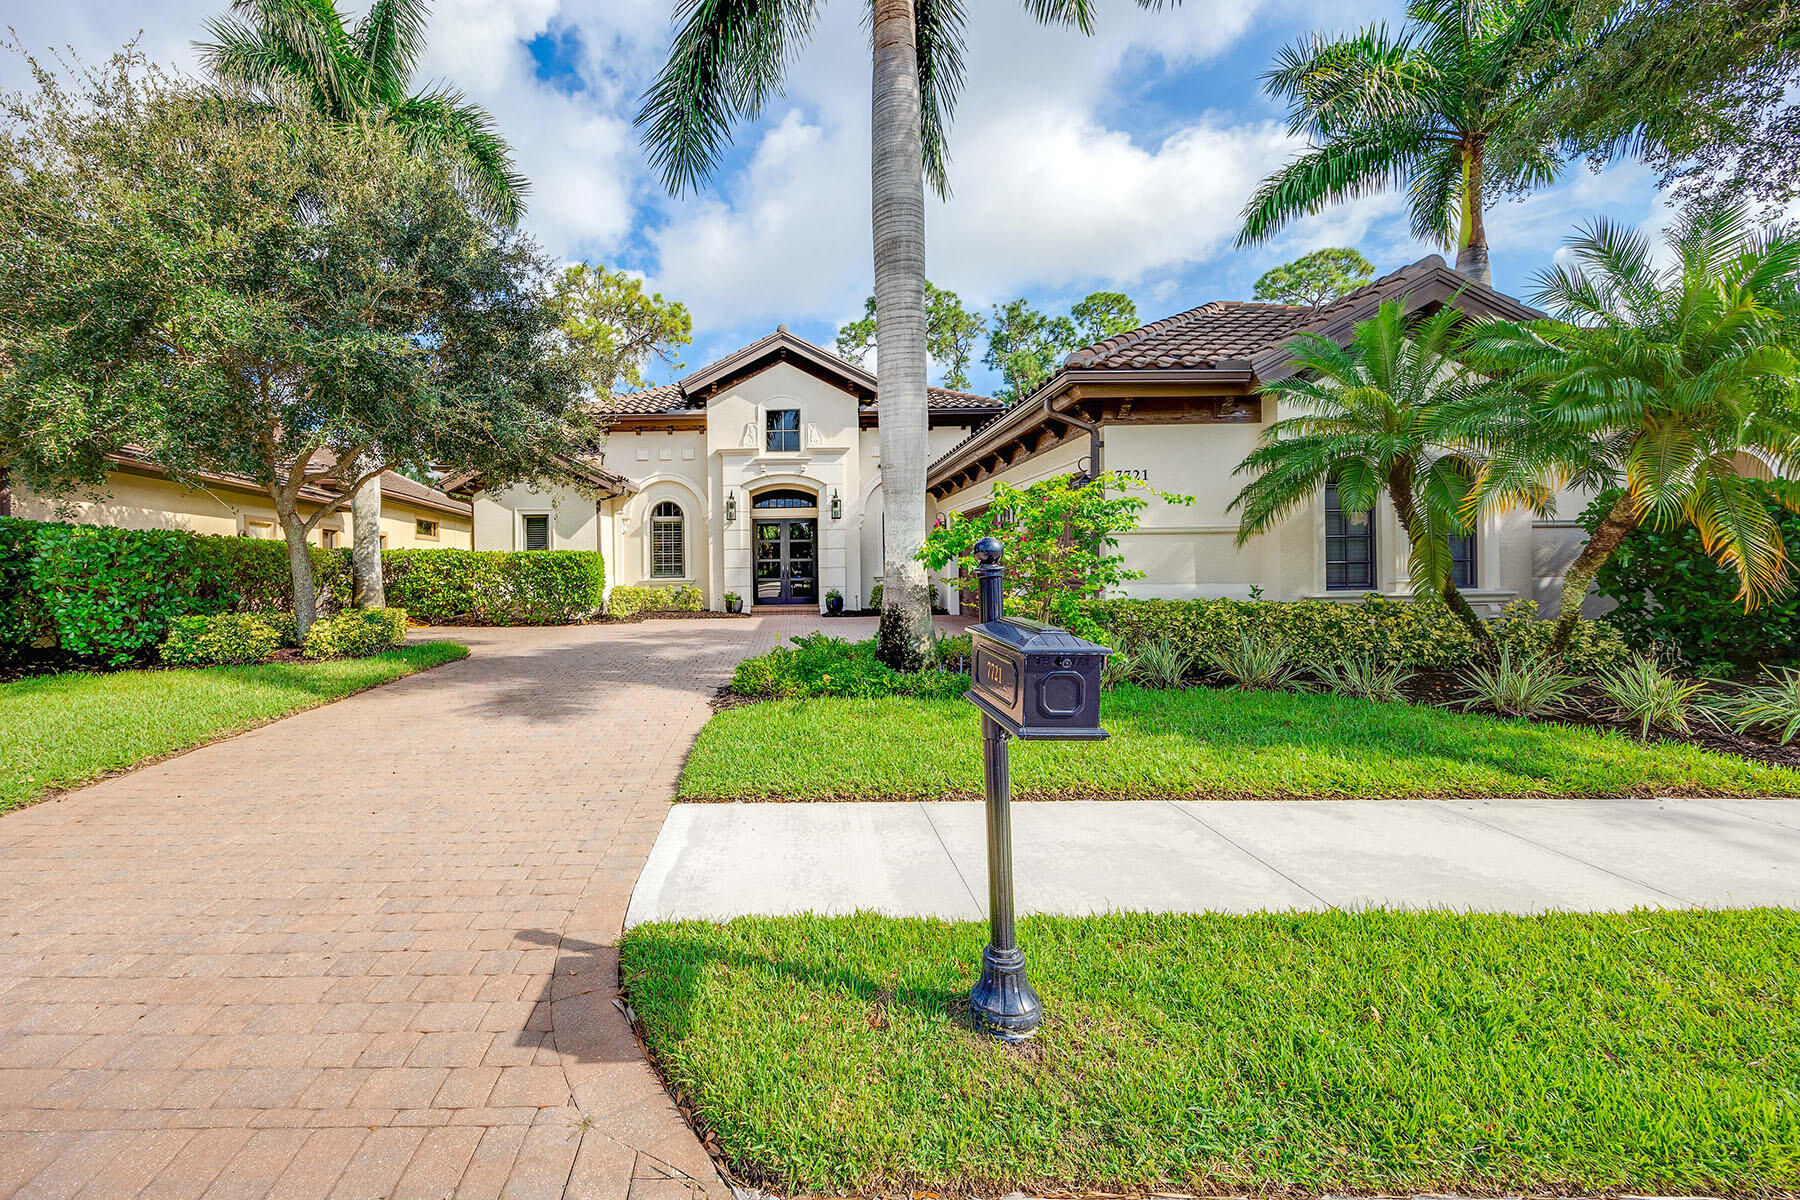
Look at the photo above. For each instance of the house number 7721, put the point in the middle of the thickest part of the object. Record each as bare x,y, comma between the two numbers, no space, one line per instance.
1137,473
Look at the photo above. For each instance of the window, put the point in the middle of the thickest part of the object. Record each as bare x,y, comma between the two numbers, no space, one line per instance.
259,529
783,431
328,538
425,529
1462,560
668,559
537,532
1349,546
784,498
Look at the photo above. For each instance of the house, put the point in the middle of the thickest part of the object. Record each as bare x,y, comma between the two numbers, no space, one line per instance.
139,494
760,474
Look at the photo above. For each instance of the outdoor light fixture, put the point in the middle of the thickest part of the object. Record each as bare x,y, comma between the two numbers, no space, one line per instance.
730,507
837,506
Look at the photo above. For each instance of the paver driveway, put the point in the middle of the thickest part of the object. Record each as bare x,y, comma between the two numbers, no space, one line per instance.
366,951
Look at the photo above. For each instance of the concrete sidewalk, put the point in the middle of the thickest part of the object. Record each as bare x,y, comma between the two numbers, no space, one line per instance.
716,861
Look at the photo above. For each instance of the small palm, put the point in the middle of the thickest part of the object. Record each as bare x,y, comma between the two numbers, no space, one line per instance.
302,49
1371,417
1681,380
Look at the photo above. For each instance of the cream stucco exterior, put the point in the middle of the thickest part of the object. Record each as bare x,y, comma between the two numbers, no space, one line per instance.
135,500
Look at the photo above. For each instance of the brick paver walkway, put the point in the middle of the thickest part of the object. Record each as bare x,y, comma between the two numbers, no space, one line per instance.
366,951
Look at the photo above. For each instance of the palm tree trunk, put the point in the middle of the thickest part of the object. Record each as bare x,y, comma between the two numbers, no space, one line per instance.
366,588
1612,531
898,214
1471,243
1400,490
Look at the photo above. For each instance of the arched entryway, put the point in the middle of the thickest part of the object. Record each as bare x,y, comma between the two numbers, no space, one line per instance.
784,546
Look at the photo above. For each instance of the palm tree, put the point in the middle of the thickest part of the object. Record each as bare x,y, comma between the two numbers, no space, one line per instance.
1665,377
729,57
302,49
1368,420
1437,110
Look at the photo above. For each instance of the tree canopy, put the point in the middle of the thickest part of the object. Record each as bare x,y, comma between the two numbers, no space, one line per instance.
264,292
950,334
1315,279
1026,345
618,327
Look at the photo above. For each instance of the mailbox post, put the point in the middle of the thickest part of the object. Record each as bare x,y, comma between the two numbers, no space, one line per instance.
1032,681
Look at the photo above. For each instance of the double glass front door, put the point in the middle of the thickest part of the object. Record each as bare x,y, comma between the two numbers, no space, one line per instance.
787,560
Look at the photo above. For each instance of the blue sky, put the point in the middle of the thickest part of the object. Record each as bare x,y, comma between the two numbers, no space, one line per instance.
1119,161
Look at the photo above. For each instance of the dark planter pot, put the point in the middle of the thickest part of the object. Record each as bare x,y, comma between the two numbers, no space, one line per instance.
734,606
834,605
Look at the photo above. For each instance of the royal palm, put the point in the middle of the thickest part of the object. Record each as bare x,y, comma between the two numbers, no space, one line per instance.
1367,417
729,57
1669,378
302,48
1435,110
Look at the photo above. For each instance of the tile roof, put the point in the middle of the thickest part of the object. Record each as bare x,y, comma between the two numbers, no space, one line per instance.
393,485
1234,330
663,398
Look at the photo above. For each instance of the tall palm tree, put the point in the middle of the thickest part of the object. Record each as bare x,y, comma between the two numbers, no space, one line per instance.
728,59
1368,419
1664,376
303,49
1436,109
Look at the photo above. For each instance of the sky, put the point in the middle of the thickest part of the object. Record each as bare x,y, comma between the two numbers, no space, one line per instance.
1119,161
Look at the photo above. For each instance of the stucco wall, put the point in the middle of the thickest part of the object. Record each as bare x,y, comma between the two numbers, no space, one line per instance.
499,518
132,501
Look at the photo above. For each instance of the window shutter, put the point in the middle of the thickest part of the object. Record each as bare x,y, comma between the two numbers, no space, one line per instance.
537,533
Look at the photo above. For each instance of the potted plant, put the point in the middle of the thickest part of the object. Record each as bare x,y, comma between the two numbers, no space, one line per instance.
834,602
734,603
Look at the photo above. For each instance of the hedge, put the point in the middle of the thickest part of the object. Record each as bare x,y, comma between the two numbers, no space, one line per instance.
109,594
630,601
1423,636
1675,600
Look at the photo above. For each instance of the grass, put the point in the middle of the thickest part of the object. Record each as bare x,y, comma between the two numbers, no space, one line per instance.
1200,742
1650,1052
59,731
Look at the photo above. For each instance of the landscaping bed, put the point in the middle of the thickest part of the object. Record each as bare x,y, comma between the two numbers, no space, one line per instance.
1647,1052
61,731
1200,742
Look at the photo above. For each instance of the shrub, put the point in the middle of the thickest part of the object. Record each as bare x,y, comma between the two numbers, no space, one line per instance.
204,641
818,665
1253,663
1642,691
875,597
1773,706
1116,668
1516,686
1674,599
1419,635
1360,676
630,601
542,587
356,632
1160,664
1593,647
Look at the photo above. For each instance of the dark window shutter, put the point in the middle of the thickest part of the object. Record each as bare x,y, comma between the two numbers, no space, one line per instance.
537,533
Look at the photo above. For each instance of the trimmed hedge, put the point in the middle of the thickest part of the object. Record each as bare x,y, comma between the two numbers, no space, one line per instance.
219,640
1422,636
356,633
630,601
1675,600
110,594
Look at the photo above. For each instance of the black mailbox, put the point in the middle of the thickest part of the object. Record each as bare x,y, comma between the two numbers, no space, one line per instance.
1039,682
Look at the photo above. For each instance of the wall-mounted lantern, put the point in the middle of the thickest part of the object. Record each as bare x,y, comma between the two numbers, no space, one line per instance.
730,507
837,506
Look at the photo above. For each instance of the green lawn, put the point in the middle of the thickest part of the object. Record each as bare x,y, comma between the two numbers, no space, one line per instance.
58,731
1200,742
1651,1052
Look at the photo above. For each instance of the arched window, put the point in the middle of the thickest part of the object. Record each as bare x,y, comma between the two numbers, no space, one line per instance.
785,498
668,541
1349,545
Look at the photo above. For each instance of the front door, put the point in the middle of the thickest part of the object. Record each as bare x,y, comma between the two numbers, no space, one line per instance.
787,560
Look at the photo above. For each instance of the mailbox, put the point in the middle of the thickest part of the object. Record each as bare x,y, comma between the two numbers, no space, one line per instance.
1037,681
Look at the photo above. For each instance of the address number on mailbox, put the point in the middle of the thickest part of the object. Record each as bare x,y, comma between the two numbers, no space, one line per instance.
998,676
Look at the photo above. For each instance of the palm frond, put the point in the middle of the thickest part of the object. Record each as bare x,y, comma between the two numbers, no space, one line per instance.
1336,87
310,31
940,25
729,57
441,120
1361,164
1072,14
389,40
